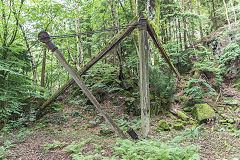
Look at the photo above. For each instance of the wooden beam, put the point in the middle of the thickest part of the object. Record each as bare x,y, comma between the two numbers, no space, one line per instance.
44,38
144,77
114,42
161,49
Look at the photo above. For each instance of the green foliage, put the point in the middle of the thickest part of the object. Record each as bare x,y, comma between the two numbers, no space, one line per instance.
154,150
194,132
15,90
124,123
209,70
178,57
230,56
54,145
76,150
3,153
4,149
162,84
197,89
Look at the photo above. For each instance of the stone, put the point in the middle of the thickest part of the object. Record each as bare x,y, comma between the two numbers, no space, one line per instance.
203,112
178,126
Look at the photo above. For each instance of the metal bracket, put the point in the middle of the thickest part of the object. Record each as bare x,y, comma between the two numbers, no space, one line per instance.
45,38
142,23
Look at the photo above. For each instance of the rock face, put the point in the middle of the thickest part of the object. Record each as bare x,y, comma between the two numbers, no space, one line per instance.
203,112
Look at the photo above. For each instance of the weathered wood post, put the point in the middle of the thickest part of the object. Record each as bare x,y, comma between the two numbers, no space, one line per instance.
45,38
144,77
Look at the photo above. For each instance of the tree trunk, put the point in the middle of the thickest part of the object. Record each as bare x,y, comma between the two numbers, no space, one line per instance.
226,13
72,57
80,54
134,4
147,8
185,27
117,49
200,23
34,67
234,12
43,67
58,75
180,34
193,34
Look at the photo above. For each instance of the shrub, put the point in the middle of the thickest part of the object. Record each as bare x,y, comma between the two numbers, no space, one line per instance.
163,86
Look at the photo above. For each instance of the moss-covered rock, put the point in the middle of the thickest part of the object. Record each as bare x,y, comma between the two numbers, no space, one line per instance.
182,115
178,126
203,112
163,126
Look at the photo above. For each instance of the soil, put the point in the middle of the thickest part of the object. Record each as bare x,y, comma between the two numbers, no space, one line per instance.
67,127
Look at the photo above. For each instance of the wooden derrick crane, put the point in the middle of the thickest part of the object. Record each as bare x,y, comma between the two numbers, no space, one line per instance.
145,28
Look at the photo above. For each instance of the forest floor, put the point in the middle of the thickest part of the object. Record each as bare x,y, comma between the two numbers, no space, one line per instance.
78,123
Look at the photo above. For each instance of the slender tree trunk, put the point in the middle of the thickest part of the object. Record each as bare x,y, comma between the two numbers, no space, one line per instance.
234,12
43,67
157,16
80,54
71,56
147,7
193,34
134,4
58,75
185,27
226,13
179,32
169,30
166,33
200,23
118,49
34,67
89,47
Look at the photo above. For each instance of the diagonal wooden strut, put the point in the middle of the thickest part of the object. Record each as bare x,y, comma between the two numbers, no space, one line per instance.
44,38
115,41
153,35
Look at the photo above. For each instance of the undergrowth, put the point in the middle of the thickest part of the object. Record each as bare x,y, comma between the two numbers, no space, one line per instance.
154,150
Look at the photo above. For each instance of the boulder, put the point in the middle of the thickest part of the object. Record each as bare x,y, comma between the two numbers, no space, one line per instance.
203,112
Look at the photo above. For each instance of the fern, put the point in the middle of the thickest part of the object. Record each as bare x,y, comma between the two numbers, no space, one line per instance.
231,54
154,150
54,145
197,89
